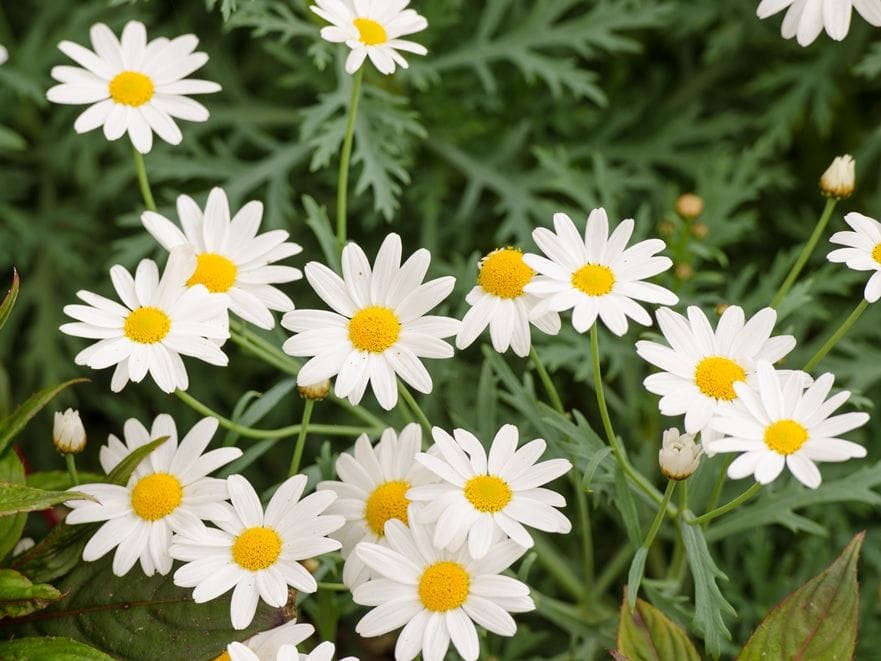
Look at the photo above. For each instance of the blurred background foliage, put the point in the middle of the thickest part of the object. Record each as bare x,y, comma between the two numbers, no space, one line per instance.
522,108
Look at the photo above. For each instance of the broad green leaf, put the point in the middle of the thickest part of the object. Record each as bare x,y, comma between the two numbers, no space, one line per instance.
646,634
11,470
123,470
60,480
57,553
817,621
10,298
137,616
49,647
18,596
13,424
21,498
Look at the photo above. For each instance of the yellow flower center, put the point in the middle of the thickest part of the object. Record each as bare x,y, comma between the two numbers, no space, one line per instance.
504,273
715,377
876,253
374,329
785,436
223,656
388,501
214,271
256,548
147,325
444,586
156,496
131,88
488,493
371,32
594,279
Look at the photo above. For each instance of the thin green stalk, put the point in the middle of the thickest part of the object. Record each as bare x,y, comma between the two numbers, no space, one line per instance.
806,253
727,507
71,469
583,511
301,438
345,156
414,406
837,335
546,381
143,182
333,587
558,566
659,517
292,430
720,482
612,568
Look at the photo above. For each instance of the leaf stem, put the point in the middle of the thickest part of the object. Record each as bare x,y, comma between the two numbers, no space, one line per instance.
71,469
727,507
345,156
837,335
546,381
720,482
333,587
301,438
143,182
806,253
414,406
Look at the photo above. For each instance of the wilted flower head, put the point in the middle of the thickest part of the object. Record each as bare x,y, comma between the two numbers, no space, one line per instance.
679,455
68,433
839,178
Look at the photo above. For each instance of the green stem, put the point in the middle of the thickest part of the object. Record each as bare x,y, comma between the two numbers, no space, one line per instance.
837,335
71,469
417,411
545,378
345,156
292,430
557,566
720,482
727,507
659,517
635,476
583,511
806,253
611,569
301,438
333,587
143,182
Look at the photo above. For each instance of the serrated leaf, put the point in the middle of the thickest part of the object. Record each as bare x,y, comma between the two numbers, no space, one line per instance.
18,596
124,469
49,647
646,634
16,498
817,621
15,422
10,298
319,223
130,617
11,470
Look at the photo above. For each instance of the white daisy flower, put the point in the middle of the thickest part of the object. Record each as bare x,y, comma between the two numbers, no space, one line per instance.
372,29
280,644
437,595
231,258
701,366
780,423
596,275
160,320
254,552
4,54
480,496
805,19
133,85
498,301
378,328
862,251
168,491
373,489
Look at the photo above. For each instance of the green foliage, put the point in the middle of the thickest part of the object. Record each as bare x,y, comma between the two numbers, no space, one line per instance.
123,470
50,647
18,596
646,634
11,296
15,423
20,498
11,470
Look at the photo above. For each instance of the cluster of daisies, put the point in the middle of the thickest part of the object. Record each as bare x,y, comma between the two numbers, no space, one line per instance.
425,535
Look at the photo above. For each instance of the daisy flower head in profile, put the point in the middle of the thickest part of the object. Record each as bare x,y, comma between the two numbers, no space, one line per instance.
805,19
133,85
373,486
862,251
437,595
372,29
480,496
168,491
231,258
159,320
780,423
596,275
280,644
498,301
702,365
257,553
378,328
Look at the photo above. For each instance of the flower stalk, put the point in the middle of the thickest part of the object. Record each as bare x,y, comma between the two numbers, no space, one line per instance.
345,157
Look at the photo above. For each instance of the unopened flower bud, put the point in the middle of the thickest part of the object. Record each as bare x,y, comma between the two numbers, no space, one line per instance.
721,307
68,433
315,391
24,544
839,179
666,228
684,271
699,230
689,206
679,455
312,565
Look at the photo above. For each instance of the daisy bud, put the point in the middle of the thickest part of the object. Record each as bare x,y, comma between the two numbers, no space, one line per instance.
689,206
699,230
666,228
316,391
839,179
312,565
684,271
68,433
680,455
721,307
24,545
